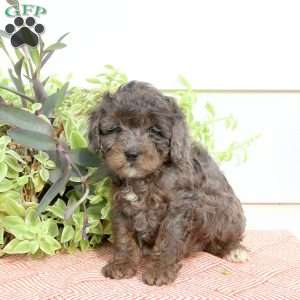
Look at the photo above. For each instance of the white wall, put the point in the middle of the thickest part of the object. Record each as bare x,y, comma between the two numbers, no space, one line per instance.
271,173
215,44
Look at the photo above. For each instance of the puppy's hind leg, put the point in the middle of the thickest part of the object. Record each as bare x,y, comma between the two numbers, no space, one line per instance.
238,254
233,252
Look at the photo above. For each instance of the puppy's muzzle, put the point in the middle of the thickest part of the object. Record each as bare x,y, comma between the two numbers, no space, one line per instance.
132,155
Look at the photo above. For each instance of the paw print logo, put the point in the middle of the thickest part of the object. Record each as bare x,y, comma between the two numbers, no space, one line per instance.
24,33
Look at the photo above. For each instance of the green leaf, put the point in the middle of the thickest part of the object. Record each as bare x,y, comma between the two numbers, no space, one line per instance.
63,36
77,140
12,174
209,107
95,199
22,180
50,103
44,173
68,127
13,163
18,67
55,46
1,42
55,189
98,229
14,208
31,218
17,117
107,229
45,81
34,246
35,107
95,240
5,140
17,82
48,56
185,82
35,55
16,246
4,34
12,221
16,226
50,228
38,183
67,234
94,81
1,235
105,211
3,170
19,53
21,232
2,154
103,186
32,139
55,99
100,173
58,209
72,201
6,185
50,164
84,245
42,157
85,158
55,174
10,195
15,155
78,219
49,245
78,235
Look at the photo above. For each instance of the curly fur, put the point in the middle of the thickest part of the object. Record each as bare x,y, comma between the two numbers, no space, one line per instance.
172,199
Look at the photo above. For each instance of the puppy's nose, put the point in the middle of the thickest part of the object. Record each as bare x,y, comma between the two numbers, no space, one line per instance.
132,155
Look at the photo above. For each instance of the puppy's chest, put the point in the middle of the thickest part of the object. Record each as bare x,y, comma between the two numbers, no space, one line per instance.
145,206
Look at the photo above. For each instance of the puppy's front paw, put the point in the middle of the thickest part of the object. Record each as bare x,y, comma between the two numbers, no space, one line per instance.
157,274
119,270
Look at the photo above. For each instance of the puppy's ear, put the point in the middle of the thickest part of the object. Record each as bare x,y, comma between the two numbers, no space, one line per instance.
94,126
94,132
180,141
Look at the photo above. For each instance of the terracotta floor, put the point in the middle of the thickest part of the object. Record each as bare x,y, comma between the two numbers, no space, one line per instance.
273,272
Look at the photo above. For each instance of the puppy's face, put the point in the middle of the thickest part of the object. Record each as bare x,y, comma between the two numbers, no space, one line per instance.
134,145
133,129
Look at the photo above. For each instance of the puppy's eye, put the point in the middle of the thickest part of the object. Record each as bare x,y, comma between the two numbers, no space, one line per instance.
111,130
154,130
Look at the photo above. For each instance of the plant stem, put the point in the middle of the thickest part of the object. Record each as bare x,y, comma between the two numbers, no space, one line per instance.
17,93
30,76
69,211
8,55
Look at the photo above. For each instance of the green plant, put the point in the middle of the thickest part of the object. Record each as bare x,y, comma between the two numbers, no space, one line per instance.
44,159
53,194
204,130
22,178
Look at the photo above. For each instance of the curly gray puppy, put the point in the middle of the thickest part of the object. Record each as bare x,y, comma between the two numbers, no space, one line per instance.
170,198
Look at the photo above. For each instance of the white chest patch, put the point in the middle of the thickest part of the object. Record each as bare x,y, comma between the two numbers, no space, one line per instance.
131,172
131,196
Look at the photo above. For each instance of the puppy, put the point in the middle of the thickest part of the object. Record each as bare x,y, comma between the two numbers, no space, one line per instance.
169,196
